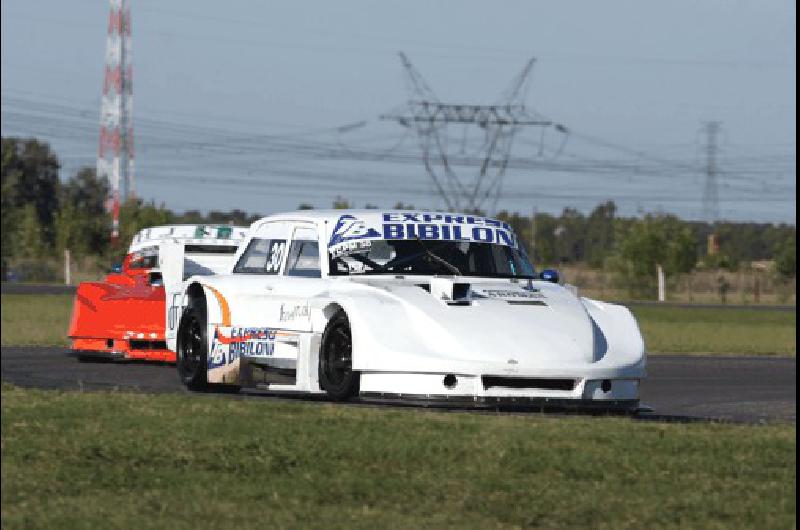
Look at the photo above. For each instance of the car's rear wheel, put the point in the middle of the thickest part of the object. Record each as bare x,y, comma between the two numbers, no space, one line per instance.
336,375
192,357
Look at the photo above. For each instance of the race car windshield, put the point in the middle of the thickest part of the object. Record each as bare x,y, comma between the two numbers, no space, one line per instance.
146,258
433,257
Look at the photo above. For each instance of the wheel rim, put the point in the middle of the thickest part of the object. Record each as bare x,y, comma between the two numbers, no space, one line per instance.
191,347
338,360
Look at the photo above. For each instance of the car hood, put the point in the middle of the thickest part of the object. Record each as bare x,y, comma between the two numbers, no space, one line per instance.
476,320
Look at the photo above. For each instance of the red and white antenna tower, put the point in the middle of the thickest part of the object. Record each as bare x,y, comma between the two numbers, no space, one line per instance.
115,153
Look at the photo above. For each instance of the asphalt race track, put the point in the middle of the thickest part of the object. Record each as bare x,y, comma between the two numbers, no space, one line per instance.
678,387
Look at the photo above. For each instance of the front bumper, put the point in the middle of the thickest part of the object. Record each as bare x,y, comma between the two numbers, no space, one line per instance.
121,349
97,355
609,392
543,404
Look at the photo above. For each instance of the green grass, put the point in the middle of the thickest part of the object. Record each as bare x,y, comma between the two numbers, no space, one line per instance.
739,331
124,460
34,320
731,331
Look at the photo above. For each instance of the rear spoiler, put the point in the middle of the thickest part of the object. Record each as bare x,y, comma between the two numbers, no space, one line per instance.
178,260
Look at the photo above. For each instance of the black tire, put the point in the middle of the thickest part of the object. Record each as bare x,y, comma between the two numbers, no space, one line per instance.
192,355
336,375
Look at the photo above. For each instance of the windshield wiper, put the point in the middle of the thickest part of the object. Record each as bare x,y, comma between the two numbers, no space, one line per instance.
438,259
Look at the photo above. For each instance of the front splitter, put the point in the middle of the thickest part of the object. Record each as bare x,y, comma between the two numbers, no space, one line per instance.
543,404
94,355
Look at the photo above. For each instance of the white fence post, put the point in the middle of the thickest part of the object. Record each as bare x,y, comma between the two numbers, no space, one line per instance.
662,283
67,275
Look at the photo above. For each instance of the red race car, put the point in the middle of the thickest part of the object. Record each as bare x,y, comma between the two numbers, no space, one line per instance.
123,316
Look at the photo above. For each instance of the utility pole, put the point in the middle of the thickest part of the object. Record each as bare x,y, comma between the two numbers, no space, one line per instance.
711,190
115,151
430,119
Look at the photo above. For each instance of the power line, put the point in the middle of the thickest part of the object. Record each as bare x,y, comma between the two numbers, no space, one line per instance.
213,153
430,118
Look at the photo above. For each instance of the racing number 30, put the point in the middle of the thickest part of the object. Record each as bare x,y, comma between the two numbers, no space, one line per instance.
275,256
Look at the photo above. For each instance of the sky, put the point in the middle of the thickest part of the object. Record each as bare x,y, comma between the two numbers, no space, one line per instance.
262,106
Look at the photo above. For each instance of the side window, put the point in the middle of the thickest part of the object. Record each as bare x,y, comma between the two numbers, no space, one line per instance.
303,259
262,256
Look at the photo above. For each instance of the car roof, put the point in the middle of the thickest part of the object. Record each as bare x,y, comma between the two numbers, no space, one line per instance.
334,215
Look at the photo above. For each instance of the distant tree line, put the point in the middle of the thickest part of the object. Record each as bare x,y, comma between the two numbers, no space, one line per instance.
42,216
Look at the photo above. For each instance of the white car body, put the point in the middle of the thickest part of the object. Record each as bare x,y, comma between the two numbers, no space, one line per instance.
437,337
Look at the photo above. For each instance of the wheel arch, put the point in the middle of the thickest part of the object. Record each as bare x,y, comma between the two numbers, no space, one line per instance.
208,299
323,315
620,330
195,295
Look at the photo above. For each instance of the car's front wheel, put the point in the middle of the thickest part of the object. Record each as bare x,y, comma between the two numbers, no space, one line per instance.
336,375
192,357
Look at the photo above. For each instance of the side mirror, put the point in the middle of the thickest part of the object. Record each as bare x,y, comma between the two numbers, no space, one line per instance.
549,275
116,268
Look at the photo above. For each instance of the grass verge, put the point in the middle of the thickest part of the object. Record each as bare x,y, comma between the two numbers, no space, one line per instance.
123,460
34,320
739,331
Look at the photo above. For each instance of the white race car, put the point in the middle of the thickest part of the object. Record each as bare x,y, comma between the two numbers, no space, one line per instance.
433,307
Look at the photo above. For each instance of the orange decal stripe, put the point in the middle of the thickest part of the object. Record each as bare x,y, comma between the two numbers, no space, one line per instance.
224,307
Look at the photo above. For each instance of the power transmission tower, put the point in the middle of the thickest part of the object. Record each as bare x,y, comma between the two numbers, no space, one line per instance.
115,152
711,190
430,118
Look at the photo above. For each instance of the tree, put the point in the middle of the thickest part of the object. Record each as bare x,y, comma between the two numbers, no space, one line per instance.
29,241
681,251
644,244
786,257
340,203
641,249
134,215
570,236
86,192
544,243
82,223
234,217
600,233
68,233
191,217
8,204
30,176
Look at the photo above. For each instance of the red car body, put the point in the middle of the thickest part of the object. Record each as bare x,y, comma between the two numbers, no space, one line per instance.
123,316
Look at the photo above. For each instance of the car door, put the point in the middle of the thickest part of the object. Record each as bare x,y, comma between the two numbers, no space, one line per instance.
257,276
301,278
